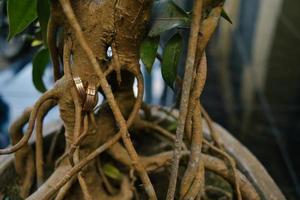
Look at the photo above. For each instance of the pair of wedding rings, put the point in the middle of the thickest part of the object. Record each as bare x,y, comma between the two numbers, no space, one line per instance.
88,96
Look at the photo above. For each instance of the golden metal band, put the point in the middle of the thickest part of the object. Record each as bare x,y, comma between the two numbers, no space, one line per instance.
80,87
89,97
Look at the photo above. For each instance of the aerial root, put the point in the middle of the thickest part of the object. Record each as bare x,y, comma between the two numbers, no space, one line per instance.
39,158
52,148
193,179
219,167
198,85
232,166
215,137
64,190
185,96
28,177
24,158
51,94
83,186
16,134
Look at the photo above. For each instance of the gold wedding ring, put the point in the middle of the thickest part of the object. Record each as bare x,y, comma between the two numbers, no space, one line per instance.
80,87
89,96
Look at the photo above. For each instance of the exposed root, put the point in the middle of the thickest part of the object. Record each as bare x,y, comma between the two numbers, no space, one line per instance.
215,137
16,134
77,168
193,180
219,167
64,190
83,186
48,95
198,86
39,158
232,165
24,159
52,148
187,82
28,178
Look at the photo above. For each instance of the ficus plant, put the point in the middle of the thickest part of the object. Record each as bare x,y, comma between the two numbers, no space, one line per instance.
108,151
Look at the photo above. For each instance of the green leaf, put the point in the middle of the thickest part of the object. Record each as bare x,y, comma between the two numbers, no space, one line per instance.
172,127
112,172
39,64
148,51
36,43
167,15
170,59
21,13
43,10
225,16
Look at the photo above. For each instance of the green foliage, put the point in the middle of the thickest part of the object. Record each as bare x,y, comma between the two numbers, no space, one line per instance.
226,16
172,127
148,51
167,15
43,10
39,64
170,59
21,13
112,172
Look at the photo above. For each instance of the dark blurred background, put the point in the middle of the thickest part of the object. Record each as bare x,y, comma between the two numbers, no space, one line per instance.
253,85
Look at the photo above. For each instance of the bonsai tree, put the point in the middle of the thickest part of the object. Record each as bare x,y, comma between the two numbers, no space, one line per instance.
108,152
